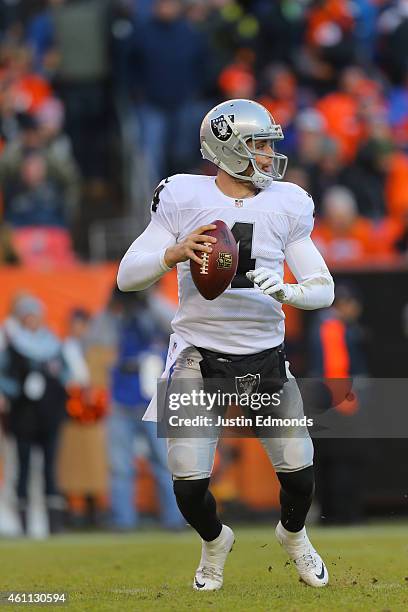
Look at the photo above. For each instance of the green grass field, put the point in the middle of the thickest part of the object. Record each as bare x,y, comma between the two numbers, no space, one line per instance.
154,571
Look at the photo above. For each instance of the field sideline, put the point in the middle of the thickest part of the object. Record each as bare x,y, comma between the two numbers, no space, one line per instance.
154,571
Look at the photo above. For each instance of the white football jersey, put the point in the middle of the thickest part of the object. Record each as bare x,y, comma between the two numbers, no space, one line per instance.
242,320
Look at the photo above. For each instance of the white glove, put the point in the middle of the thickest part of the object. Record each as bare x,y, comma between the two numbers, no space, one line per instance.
270,283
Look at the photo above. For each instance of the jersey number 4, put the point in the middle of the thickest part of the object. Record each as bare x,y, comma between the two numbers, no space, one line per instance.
243,234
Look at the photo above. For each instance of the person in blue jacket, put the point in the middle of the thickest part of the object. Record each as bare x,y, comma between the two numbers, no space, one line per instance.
141,352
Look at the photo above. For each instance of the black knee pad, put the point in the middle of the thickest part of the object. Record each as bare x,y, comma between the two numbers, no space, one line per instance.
188,491
298,484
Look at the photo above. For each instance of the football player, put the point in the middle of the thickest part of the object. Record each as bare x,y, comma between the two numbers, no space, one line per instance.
271,221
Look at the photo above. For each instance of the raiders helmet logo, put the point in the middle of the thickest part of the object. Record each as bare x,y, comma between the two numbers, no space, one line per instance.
220,127
248,384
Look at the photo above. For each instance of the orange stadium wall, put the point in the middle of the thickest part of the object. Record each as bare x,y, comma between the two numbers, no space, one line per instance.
86,286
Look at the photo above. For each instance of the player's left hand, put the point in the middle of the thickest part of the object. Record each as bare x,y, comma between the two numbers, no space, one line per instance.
270,283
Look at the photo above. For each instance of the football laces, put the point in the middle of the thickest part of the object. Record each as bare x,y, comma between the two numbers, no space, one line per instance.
206,258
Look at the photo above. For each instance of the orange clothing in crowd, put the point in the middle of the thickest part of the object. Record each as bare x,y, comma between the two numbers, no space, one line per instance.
336,364
30,92
386,232
283,111
396,187
237,80
336,358
322,17
340,112
358,242
281,99
26,93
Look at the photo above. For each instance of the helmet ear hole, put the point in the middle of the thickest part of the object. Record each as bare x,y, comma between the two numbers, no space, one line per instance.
241,164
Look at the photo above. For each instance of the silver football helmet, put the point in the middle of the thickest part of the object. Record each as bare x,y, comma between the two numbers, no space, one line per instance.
228,138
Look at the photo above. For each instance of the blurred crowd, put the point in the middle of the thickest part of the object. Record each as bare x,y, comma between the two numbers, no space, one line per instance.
80,400
333,73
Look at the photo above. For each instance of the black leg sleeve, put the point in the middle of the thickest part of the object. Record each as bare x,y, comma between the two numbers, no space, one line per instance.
296,496
198,507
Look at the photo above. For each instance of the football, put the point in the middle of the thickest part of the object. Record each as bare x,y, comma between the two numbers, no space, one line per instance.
219,267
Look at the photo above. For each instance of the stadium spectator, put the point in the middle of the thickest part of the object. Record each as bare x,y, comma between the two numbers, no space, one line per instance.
341,234
142,9
50,119
141,348
367,176
281,100
280,32
337,340
330,44
365,16
393,40
82,458
15,93
74,345
10,13
340,111
337,350
327,173
33,199
81,79
379,175
398,113
230,26
237,80
25,89
310,137
198,12
33,377
317,154
41,39
40,185
167,82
